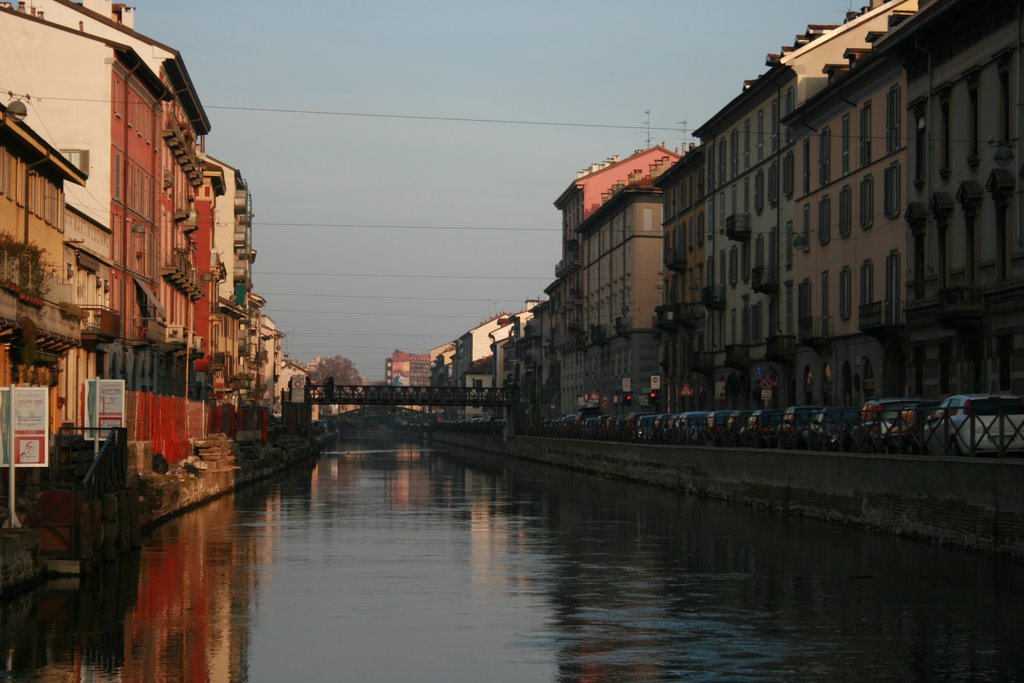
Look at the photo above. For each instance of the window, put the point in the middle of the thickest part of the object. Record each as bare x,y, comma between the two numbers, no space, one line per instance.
803,300
807,166
824,294
733,265
790,106
788,174
759,251
773,184
1005,115
734,160
845,283
745,261
920,149
775,126
845,211
845,144
867,282
891,198
825,220
760,135
893,115
759,191
746,145
789,245
867,201
944,132
78,157
972,117
807,228
865,134
824,157
721,162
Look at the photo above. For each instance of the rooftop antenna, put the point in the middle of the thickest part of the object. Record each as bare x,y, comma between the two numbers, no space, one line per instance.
648,124
682,133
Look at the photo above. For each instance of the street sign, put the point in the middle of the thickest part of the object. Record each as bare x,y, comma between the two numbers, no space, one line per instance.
627,385
686,391
655,381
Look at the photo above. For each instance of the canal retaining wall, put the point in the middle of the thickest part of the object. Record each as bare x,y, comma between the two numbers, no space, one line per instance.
975,503
115,524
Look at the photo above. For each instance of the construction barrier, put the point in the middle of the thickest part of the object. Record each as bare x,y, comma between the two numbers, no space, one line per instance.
170,422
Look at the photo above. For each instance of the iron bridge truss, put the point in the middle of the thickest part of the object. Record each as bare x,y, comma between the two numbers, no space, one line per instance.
342,394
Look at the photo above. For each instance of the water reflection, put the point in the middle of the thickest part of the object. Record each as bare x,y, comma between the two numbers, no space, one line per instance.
389,562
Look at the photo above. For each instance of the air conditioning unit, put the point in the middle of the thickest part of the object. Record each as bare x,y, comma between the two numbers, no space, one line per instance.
176,334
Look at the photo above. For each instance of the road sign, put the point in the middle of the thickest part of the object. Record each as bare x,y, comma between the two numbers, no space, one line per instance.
655,381
686,391
627,384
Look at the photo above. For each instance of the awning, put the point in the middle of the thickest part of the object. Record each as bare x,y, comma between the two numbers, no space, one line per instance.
152,300
88,262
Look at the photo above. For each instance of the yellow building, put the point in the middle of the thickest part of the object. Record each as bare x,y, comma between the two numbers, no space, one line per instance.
35,329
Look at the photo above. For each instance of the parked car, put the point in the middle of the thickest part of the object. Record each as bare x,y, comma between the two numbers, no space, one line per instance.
761,427
691,427
829,429
715,427
877,418
792,424
907,432
975,424
733,424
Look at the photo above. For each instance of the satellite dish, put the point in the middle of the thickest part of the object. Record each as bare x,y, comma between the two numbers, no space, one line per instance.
17,110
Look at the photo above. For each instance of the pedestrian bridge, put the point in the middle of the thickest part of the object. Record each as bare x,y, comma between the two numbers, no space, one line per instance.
359,395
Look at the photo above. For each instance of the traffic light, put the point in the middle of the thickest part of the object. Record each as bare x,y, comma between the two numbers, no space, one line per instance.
627,399
653,397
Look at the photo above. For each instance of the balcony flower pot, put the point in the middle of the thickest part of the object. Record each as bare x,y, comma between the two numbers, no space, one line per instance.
31,300
10,287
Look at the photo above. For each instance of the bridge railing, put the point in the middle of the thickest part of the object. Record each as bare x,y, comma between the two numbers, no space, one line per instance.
342,394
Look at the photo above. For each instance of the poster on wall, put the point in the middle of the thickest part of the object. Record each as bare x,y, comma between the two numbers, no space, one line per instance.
104,406
26,419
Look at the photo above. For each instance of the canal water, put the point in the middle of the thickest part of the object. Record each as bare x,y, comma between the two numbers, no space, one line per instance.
389,562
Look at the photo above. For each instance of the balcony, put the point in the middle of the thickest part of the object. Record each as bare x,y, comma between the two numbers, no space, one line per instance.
960,307
153,330
219,360
765,279
180,272
100,324
781,348
880,318
737,227
737,355
816,332
598,335
689,314
702,361
713,297
665,317
567,266
674,259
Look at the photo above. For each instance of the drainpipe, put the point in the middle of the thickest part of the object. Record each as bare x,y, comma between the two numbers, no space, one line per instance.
1016,139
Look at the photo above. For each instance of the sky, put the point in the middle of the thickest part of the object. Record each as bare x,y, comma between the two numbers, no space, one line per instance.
404,156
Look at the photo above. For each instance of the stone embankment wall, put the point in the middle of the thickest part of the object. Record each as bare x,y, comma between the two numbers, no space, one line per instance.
115,524
975,503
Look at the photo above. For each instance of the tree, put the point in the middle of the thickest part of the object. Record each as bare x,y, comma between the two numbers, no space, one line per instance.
338,367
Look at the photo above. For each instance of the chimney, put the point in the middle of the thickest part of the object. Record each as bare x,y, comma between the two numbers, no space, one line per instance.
21,5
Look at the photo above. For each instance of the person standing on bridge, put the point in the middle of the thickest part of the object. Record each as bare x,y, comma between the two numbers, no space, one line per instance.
329,388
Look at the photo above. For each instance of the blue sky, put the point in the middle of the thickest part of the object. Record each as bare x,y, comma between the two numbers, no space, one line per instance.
369,67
